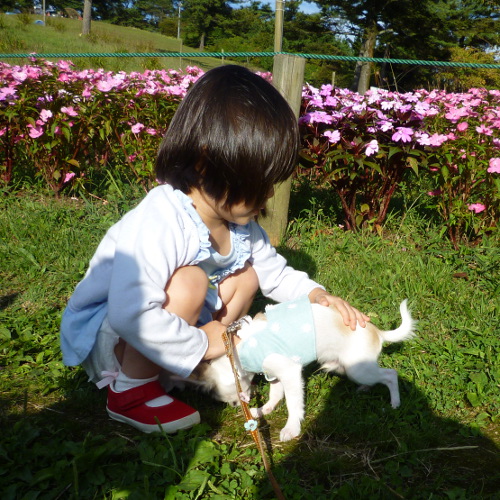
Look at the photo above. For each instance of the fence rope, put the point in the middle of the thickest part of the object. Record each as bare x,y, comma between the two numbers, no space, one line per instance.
191,55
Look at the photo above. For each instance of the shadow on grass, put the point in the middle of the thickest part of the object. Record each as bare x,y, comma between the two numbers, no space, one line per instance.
352,446
356,447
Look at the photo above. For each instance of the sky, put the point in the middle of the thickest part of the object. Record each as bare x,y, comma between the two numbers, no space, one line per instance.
307,7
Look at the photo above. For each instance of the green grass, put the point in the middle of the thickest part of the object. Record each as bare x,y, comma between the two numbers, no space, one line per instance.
443,441
19,35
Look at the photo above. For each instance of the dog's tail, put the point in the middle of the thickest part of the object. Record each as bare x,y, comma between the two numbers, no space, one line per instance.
405,331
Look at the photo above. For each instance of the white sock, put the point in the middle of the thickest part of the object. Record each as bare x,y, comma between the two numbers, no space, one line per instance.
123,383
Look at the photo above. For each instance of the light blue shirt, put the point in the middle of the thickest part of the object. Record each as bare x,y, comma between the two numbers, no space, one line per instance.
289,331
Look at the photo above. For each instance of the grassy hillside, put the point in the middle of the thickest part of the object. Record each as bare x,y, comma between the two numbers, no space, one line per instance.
20,35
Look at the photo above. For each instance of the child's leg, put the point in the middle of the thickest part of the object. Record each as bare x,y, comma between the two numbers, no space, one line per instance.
237,293
137,397
186,292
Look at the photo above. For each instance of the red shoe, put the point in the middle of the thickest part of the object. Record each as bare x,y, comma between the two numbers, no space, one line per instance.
130,407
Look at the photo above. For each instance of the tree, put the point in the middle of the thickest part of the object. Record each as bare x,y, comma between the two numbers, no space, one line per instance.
201,18
87,16
413,30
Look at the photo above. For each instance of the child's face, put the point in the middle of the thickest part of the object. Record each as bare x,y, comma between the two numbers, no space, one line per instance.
241,213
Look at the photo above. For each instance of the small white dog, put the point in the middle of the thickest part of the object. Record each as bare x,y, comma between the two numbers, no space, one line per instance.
333,344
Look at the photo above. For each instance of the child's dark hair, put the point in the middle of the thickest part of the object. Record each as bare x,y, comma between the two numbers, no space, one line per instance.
233,136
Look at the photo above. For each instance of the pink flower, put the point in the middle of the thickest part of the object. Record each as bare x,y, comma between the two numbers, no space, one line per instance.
64,65
483,129
371,147
477,208
333,136
385,125
402,134
68,177
319,117
462,126
107,85
35,132
151,131
69,110
19,76
423,139
437,139
137,128
7,92
45,114
437,192
494,167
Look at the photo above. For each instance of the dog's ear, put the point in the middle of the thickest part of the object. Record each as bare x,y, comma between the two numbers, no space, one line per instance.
202,377
200,371
260,317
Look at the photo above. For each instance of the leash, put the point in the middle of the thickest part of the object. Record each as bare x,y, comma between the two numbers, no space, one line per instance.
251,424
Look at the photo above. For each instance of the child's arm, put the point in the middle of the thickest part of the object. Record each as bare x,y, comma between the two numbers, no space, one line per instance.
349,313
214,331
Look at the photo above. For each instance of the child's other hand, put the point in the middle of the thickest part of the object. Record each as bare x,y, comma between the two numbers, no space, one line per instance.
214,331
350,314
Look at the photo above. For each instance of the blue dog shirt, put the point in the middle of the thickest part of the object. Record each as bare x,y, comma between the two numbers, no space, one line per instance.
289,331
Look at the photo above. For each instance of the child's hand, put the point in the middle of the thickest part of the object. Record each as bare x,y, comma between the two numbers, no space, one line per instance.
350,314
214,331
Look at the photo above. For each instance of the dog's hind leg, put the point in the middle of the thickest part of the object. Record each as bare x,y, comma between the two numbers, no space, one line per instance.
390,379
368,373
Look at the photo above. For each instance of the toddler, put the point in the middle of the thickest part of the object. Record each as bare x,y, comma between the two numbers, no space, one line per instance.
168,278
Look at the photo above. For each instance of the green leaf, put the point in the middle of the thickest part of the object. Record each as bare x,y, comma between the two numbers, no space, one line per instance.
393,150
413,164
205,452
5,333
373,165
480,379
67,133
473,398
193,480
445,172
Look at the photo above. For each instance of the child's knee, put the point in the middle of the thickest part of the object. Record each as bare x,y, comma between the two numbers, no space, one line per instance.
250,279
243,284
186,290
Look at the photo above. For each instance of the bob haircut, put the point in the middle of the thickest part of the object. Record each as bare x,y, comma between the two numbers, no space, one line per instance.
233,136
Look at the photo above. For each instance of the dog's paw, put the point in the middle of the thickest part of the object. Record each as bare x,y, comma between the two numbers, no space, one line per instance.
256,412
289,432
364,388
263,410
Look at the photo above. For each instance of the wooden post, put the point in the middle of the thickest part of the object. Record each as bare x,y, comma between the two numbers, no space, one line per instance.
87,17
288,78
278,26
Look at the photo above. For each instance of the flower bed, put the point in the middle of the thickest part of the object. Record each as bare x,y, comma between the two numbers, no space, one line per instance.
365,146
73,126
75,129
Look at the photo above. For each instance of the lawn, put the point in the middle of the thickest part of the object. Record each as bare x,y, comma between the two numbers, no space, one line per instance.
20,35
443,441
